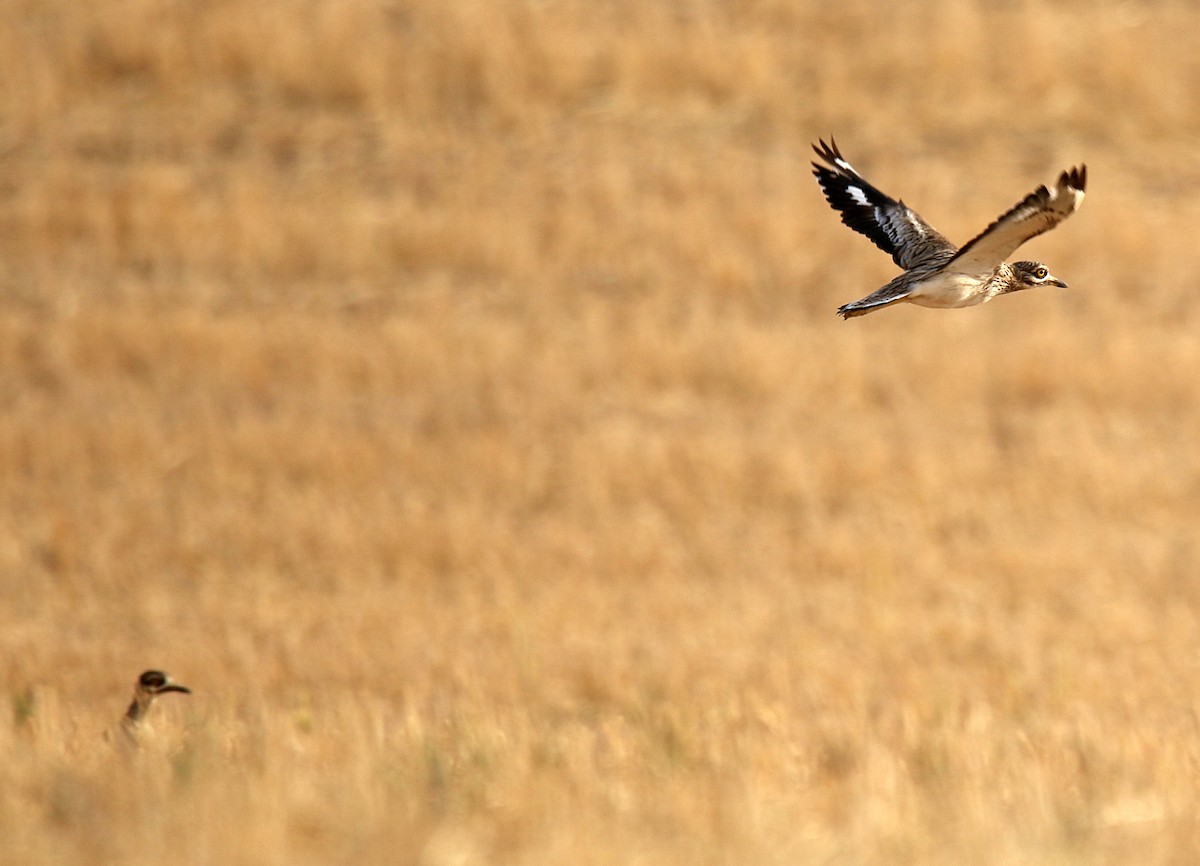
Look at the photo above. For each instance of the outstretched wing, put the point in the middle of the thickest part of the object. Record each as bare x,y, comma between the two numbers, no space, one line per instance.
1038,212
891,225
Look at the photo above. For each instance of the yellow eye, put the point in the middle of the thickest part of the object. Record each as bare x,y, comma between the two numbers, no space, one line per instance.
1041,273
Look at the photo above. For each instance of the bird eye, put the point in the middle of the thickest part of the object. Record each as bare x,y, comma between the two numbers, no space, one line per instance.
1041,273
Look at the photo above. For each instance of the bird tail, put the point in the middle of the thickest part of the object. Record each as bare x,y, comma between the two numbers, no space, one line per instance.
877,300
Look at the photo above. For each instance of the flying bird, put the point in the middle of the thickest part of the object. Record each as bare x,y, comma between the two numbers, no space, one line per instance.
936,272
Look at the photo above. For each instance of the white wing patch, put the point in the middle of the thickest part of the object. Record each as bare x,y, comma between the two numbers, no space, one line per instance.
858,195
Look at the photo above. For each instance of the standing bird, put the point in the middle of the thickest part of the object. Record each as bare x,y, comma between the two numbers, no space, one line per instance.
936,272
149,686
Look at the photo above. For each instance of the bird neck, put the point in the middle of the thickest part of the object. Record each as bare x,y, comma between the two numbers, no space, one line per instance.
1004,280
137,709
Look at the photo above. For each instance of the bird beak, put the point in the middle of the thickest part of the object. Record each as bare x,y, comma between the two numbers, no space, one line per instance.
1058,283
174,687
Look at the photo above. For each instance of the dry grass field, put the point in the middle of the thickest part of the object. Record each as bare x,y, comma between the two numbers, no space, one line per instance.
449,392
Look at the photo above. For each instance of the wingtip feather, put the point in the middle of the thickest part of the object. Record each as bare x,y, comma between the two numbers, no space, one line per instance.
827,152
1074,178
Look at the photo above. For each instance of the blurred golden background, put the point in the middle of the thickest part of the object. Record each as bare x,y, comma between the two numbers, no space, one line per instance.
450,394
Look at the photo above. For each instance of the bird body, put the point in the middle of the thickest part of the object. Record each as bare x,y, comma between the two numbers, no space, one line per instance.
936,272
947,290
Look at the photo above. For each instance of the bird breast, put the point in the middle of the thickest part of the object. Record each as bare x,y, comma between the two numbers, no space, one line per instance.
950,290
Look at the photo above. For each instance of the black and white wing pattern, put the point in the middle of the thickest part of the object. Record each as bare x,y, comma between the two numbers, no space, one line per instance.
1038,212
891,225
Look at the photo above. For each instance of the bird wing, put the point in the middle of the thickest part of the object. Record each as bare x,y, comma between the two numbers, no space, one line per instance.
1038,212
891,225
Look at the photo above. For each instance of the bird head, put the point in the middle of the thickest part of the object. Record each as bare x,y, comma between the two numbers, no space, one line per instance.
149,686
1030,274
156,683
